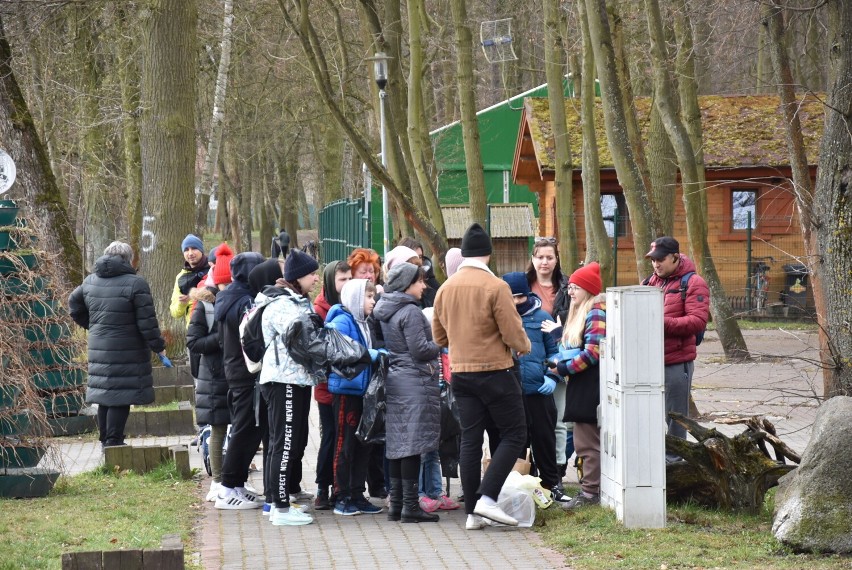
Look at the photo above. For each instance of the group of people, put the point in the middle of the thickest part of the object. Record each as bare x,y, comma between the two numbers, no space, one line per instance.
522,351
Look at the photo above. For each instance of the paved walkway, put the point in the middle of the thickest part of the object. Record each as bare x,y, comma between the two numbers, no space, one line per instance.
784,390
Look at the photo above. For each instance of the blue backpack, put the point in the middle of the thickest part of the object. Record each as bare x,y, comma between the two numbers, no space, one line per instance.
699,337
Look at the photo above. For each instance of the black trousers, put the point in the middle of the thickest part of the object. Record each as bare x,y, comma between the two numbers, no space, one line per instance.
351,457
246,435
541,425
325,455
111,423
481,395
288,408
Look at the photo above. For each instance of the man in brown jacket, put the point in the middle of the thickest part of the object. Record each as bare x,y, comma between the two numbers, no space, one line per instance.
476,317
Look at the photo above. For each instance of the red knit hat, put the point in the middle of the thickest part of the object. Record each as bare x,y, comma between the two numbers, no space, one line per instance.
588,278
222,267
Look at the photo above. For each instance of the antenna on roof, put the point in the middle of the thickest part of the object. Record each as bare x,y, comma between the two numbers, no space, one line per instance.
496,39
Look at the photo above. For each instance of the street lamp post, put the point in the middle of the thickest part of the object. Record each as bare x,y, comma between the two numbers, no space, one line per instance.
380,66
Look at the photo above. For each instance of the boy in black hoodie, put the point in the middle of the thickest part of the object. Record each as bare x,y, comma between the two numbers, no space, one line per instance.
246,429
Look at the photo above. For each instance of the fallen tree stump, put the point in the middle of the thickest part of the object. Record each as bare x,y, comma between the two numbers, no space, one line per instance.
730,473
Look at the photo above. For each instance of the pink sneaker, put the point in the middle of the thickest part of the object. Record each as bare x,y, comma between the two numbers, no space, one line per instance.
447,504
430,505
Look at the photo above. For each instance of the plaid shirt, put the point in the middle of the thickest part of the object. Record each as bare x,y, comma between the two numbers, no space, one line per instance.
594,332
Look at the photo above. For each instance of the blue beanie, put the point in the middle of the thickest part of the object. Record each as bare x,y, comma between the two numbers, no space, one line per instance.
517,283
192,241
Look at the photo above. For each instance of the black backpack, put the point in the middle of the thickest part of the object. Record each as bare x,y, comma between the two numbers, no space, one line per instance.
251,338
699,337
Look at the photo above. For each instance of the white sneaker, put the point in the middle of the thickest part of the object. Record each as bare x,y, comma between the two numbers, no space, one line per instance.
252,495
475,523
494,513
293,517
213,493
273,509
234,500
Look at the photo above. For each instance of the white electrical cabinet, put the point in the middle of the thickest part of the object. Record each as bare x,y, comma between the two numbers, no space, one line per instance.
632,418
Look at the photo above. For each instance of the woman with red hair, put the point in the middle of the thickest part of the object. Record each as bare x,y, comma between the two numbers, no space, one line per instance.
365,264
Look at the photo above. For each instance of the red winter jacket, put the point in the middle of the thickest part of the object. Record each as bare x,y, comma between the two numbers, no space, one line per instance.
321,393
682,319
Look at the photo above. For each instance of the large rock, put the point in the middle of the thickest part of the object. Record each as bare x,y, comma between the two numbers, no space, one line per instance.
813,505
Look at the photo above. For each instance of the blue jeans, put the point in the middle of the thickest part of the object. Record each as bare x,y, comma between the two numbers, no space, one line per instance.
430,475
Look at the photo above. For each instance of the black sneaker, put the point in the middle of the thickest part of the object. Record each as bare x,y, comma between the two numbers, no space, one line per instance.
558,496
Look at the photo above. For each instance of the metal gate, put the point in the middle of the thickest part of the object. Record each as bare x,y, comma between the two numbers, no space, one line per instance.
343,226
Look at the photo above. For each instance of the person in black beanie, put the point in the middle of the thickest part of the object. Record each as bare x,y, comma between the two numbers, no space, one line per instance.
286,386
484,382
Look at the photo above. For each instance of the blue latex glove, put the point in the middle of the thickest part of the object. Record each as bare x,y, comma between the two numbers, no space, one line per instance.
165,360
548,386
374,354
445,350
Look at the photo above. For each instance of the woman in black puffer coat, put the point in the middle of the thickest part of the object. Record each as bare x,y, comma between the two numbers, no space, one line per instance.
412,392
211,387
116,307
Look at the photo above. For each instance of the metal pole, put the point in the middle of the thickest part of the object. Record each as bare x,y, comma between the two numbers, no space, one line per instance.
385,243
748,262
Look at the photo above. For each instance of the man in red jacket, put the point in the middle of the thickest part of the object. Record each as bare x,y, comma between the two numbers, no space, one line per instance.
685,315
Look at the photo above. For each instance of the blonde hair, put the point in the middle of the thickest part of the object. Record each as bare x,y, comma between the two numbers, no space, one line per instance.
574,329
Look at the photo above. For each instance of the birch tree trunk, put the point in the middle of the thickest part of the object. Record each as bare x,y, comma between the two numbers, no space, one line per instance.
597,242
167,138
554,67
35,185
217,123
629,175
469,122
692,186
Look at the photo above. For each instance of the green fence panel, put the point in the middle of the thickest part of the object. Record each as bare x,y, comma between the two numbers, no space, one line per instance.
343,226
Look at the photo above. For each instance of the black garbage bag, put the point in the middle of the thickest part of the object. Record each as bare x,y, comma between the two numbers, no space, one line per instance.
371,428
319,349
448,449
346,357
450,421
303,344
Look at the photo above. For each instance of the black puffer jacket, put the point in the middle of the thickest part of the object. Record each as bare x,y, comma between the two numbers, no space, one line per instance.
413,395
116,306
230,306
211,388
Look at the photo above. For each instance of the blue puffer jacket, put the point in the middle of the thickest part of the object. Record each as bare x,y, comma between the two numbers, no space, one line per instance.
341,319
533,367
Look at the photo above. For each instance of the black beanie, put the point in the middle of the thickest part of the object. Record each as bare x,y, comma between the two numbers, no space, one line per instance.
475,242
298,265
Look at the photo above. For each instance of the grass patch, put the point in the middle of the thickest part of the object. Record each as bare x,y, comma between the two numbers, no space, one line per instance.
98,510
694,537
168,407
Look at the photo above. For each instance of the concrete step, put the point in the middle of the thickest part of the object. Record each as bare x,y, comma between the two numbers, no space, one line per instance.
176,376
168,394
163,422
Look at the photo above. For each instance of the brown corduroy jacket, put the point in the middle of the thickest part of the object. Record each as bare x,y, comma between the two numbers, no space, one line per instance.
476,317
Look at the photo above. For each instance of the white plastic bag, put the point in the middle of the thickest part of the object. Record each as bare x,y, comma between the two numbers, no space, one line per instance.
516,498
